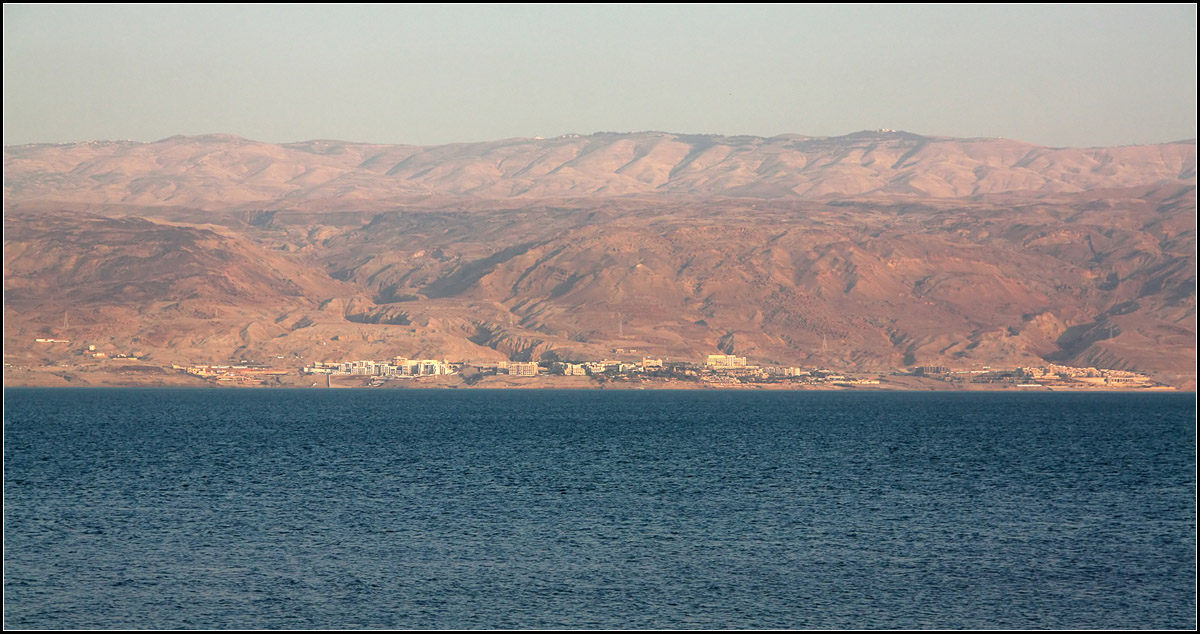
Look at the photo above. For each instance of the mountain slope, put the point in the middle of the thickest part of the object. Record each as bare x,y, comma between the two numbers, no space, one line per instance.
876,251
222,171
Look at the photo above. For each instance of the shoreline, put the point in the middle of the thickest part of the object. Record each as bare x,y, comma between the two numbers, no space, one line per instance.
897,383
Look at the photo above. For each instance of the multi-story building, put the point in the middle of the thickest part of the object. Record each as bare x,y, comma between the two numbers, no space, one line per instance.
399,367
570,369
595,367
517,368
724,362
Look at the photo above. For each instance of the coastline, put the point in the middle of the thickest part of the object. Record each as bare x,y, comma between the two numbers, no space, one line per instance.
153,377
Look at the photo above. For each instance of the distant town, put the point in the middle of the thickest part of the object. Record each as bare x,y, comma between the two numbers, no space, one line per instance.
716,370
713,371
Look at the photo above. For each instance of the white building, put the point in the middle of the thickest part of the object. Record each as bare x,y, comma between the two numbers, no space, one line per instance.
724,361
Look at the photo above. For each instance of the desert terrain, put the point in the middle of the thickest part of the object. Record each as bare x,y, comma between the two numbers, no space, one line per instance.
873,252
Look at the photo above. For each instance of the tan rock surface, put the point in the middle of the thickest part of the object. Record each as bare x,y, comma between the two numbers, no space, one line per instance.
920,251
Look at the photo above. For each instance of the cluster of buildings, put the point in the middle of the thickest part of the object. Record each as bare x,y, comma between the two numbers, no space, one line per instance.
403,367
234,374
607,366
514,368
1093,376
725,365
1039,376
398,367
728,369
91,351
717,369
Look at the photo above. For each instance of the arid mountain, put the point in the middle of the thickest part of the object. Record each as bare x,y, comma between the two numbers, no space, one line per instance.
221,171
872,251
143,286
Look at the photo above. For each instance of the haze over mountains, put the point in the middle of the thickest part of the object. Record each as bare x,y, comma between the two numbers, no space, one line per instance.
875,250
222,171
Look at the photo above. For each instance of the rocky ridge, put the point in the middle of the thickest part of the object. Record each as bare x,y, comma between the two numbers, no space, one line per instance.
873,251
223,171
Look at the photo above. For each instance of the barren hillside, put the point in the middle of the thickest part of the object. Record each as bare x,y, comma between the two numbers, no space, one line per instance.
222,171
872,251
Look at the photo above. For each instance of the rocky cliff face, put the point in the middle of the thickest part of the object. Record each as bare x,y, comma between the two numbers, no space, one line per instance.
875,250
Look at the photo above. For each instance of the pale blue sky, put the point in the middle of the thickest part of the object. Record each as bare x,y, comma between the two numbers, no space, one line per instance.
1051,75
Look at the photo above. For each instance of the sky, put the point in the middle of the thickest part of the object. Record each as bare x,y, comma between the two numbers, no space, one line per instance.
1058,75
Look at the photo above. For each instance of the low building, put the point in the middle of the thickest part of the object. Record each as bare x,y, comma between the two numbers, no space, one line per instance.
1127,380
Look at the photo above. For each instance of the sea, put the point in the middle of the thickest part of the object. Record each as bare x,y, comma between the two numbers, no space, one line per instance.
594,509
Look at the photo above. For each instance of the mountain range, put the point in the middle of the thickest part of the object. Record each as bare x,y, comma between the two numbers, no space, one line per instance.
872,251
221,171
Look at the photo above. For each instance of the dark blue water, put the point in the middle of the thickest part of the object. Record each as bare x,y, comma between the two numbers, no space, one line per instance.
311,509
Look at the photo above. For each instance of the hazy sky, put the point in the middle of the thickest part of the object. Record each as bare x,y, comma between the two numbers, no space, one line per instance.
1052,75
